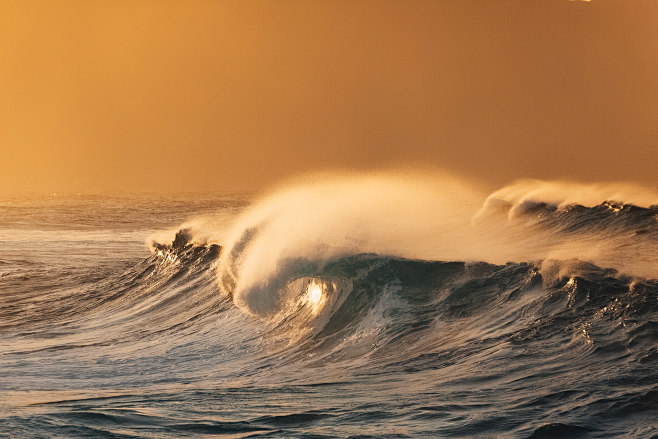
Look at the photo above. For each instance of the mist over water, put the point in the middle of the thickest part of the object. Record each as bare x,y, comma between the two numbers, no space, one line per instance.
392,304
420,216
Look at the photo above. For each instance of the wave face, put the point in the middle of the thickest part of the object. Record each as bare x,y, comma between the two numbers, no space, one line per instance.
405,306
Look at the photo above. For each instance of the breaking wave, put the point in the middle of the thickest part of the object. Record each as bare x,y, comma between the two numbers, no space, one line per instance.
431,219
521,313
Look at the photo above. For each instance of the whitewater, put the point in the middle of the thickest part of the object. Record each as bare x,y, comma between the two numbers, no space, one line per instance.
391,304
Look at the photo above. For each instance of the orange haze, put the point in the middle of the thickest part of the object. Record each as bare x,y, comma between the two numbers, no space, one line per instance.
201,95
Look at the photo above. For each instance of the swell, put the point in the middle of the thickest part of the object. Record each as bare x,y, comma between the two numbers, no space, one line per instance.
555,340
176,287
169,291
541,336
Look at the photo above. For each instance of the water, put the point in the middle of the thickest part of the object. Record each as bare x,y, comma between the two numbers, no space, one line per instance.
384,306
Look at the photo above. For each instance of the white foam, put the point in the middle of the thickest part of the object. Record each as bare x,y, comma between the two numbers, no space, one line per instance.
415,215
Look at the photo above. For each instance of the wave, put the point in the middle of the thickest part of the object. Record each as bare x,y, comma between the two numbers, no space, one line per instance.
561,194
391,315
426,218
299,256
508,313
366,303
321,256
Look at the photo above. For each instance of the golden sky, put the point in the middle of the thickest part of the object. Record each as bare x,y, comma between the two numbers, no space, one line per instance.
204,95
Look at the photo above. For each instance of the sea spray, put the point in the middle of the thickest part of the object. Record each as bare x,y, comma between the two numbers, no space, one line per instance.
423,216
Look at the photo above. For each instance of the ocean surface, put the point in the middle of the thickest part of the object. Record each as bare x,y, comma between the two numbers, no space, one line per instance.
328,310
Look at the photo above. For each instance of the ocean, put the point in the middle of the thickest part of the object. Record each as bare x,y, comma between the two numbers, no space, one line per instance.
345,306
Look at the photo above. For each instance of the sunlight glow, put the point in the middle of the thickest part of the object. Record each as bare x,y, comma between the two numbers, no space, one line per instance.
315,296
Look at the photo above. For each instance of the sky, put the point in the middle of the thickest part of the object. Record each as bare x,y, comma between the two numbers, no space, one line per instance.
190,95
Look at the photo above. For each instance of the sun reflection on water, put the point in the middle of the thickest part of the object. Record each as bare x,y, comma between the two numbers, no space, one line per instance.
315,295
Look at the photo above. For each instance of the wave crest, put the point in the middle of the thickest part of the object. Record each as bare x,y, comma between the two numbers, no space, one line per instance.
295,231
